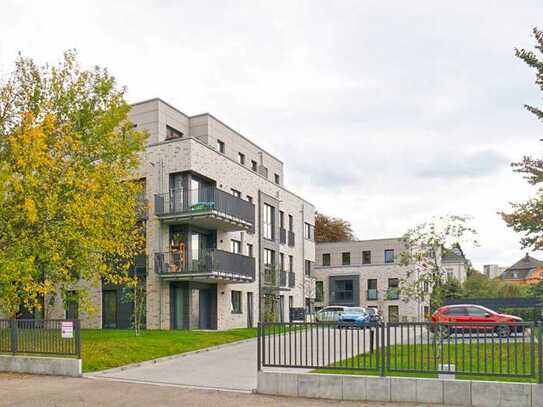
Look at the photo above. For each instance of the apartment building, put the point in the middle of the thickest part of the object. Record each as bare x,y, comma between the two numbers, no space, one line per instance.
365,273
493,270
227,243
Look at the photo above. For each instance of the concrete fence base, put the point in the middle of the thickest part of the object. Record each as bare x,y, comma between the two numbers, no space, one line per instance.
370,388
40,365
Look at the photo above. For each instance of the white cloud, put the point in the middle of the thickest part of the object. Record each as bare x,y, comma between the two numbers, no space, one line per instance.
385,113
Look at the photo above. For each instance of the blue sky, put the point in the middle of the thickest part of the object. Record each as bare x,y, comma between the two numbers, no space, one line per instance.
385,113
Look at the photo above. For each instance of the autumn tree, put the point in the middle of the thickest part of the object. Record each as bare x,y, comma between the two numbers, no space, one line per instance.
330,229
68,212
527,217
424,247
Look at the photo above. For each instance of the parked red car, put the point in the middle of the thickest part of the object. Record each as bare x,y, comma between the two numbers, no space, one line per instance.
469,313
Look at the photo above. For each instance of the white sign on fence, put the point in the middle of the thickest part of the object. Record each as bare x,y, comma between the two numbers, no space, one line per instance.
67,329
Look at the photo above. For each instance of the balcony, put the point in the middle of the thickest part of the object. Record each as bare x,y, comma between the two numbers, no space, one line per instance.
213,265
291,240
291,279
282,236
283,278
371,294
393,293
270,275
207,207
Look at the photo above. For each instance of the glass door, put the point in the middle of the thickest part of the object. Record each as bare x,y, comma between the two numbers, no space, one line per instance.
109,312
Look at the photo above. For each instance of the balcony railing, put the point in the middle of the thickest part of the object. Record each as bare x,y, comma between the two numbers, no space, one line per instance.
282,236
205,201
211,263
393,293
291,279
371,294
270,275
291,240
283,278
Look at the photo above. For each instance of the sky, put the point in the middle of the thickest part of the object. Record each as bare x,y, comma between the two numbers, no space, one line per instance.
384,113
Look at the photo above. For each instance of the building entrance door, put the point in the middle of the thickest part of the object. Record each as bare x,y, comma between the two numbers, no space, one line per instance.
204,309
250,317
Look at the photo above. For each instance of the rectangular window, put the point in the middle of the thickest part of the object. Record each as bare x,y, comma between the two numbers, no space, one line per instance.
290,223
269,259
319,291
277,178
326,259
254,165
236,246
372,289
393,292
282,261
389,256
249,250
290,264
269,215
344,291
281,219
307,267
241,158
393,313
236,302
308,231
220,146
366,257
236,193
172,133
72,305
426,286
346,258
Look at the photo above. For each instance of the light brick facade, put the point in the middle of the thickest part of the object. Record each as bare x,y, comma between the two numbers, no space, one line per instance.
380,273
195,152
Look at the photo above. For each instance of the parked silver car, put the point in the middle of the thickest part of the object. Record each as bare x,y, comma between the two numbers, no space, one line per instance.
330,313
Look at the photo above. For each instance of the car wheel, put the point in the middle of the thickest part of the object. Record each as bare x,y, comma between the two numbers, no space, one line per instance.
503,331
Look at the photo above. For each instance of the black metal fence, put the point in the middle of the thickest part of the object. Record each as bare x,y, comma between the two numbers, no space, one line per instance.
40,337
474,349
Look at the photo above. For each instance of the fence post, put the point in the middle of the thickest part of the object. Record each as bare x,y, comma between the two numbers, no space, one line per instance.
540,350
258,347
77,338
382,349
14,343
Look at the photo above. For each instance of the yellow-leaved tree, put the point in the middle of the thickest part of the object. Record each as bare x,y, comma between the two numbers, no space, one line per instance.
68,208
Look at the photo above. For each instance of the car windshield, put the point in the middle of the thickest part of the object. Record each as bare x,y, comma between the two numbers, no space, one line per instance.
356,310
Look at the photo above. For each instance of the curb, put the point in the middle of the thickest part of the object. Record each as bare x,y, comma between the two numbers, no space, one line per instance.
165,359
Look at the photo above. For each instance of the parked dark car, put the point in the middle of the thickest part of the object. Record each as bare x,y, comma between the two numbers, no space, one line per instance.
375,317
502,324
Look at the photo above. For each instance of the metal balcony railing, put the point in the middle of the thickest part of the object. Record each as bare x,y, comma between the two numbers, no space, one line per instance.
291,279
215,262
282,236
371,294
283,278
270,275
393,293
204,199
291,240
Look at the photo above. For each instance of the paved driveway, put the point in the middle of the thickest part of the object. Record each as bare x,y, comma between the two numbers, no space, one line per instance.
231,367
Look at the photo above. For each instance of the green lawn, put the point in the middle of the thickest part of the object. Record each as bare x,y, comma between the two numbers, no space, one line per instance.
104,349
480,361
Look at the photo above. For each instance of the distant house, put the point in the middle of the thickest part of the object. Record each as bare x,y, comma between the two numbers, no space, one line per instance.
455,264
527,270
